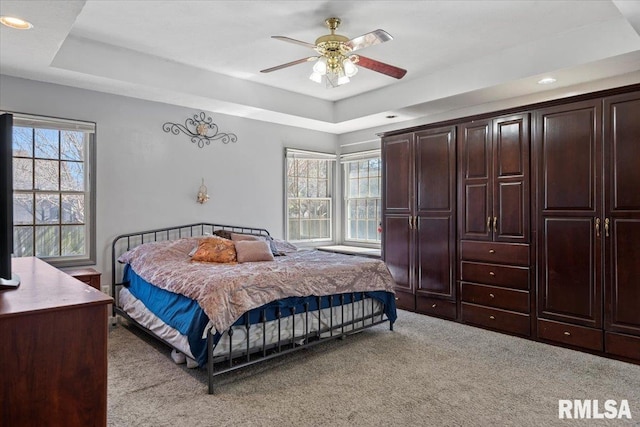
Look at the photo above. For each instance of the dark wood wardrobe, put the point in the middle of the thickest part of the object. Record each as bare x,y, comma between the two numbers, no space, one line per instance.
524,221
419,203
493,223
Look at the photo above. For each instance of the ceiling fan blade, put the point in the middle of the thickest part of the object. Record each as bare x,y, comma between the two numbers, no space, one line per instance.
369,39
289,64
290,40
381,67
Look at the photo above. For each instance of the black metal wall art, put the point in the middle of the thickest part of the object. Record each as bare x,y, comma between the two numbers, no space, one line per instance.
200,129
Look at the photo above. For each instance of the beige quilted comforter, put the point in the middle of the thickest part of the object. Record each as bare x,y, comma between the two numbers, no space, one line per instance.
226,291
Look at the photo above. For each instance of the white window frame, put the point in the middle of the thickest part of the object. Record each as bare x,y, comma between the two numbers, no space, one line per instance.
292,154
88,257
346,160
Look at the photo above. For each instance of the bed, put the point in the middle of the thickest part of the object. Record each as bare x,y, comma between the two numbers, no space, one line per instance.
225,316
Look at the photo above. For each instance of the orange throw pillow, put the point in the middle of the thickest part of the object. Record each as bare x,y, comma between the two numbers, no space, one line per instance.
215,249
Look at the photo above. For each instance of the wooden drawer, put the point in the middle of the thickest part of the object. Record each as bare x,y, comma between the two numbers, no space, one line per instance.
565,333
494,274
622,345
501,253
436,307
496,297
405,301
494,318
86,275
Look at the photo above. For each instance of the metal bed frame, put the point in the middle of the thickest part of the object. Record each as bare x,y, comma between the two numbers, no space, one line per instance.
237,358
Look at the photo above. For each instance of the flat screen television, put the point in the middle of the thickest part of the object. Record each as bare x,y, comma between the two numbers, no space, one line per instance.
8,280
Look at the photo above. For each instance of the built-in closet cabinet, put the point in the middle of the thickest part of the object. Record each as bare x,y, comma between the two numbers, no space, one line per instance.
587,159
494,179
525,221
568,160
494,220
622,230
419,202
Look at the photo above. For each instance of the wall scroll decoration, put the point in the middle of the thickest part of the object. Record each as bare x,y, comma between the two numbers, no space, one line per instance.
200,129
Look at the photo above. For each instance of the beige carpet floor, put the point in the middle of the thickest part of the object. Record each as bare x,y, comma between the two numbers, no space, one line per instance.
428,372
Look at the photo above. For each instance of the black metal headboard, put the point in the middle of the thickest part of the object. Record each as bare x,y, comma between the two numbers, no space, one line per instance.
126,242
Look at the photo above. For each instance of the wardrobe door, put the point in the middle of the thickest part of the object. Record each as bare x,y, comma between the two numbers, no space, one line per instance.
435,211
398,255
476,214
568,150
397,215
511,179
397,174
622,214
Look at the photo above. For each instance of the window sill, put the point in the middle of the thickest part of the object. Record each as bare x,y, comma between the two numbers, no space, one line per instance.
352,250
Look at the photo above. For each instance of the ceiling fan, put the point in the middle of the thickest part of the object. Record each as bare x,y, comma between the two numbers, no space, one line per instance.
336,61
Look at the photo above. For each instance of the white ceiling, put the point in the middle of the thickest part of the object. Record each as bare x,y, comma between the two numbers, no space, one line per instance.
207,55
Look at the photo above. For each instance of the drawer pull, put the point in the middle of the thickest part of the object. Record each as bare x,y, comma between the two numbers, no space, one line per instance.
492,295
397,299
492,317
491,273
567,333
434,306
492,251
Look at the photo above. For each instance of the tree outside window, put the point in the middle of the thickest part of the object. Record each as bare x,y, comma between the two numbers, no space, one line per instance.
363,182
309,201
51,191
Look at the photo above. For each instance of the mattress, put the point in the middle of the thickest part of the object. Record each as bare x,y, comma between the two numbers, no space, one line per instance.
259,333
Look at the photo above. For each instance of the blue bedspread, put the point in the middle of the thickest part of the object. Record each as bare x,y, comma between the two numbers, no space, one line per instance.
186,316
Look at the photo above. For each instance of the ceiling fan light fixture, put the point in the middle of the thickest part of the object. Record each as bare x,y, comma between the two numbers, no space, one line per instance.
316,77
320,66
350,69
343,80
334,62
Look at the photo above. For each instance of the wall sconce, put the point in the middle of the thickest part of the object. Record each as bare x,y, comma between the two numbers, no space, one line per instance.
203,194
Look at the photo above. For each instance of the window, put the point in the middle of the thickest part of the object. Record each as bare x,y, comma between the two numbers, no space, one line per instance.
362,189
53,194
309,207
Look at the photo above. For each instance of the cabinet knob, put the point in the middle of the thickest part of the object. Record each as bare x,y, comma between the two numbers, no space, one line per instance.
397,299
492,251
567,333
491,273
492,318
492,295
434,305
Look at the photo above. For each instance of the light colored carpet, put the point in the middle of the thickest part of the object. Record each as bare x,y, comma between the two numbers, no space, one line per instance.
428,372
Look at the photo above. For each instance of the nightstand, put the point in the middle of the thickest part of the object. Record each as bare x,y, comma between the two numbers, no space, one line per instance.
87,275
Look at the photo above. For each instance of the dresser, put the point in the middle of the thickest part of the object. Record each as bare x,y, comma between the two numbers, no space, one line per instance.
53,350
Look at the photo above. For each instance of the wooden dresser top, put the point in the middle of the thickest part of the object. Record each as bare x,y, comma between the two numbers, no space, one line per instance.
45,288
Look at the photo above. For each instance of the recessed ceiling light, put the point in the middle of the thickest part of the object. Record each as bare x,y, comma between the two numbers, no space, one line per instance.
391,116
17,23
546,81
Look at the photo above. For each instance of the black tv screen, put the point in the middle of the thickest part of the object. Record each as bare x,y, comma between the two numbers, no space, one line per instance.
7,279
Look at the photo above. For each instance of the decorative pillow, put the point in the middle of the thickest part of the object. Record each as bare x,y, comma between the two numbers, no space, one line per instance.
215,249
283,247
253,250
225,234
236,237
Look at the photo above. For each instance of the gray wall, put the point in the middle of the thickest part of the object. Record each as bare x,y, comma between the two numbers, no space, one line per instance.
147,178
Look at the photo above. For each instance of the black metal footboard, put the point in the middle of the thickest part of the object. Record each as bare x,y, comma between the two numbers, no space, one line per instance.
344,319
